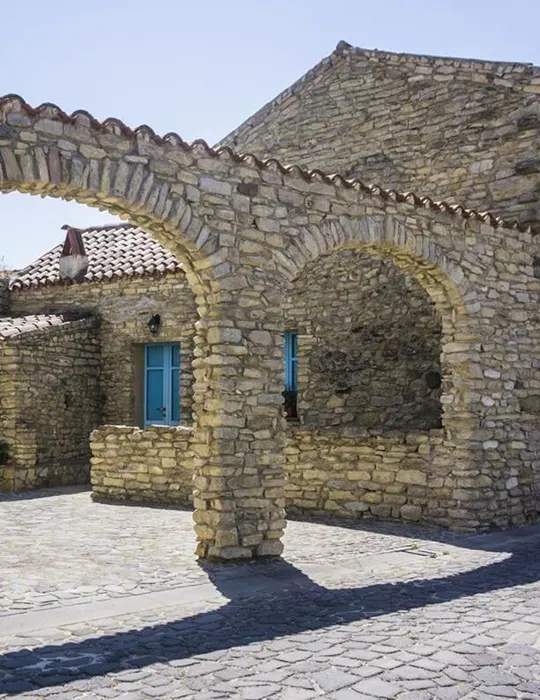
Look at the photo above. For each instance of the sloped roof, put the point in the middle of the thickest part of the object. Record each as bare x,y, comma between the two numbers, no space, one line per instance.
113,251
11,326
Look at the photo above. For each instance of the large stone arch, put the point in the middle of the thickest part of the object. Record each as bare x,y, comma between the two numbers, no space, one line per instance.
157,183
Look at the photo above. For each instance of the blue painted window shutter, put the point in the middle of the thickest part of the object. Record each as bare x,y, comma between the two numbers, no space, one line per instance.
162,384
291,361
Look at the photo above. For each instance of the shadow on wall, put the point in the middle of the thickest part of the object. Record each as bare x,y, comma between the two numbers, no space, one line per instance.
291,604
43,493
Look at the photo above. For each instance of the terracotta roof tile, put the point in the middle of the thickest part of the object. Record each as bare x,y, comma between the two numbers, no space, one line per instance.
113,251
11,326
115,126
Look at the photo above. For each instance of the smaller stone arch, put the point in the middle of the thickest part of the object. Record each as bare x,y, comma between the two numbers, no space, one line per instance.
414,470
417,255
410,248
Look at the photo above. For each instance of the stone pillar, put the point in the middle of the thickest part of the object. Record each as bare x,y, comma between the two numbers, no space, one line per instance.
492,455
238,439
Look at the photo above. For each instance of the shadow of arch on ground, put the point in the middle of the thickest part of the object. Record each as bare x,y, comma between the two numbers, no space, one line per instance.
297,604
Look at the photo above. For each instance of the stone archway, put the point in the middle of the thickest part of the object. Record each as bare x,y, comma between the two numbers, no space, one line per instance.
243,229
180,195
455,484
415,253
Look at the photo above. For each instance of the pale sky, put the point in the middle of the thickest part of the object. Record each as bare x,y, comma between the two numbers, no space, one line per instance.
201,67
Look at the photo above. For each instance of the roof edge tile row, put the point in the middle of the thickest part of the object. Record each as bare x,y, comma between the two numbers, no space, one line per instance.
15,326
117,127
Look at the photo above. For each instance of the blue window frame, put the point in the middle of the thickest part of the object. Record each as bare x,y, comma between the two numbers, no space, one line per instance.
291,361
162,384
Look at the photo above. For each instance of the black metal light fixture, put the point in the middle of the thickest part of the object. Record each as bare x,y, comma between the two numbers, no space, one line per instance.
154,323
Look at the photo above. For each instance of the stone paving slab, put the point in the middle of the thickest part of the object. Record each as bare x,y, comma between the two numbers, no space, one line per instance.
393,622
59,547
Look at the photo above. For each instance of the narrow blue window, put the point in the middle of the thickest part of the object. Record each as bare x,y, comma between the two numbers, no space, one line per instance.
290,394
162,384
291,361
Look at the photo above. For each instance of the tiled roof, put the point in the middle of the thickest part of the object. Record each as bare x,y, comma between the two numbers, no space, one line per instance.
113,252
117,127
15,325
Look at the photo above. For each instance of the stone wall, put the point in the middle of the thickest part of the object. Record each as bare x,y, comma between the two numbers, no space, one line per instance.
405,476
369,345
124,307
340,471
153,465
354,473
337,471
244,231
49,404
464,131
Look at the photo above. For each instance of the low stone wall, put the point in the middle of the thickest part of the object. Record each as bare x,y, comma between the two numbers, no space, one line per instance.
338,471
354,474
152,465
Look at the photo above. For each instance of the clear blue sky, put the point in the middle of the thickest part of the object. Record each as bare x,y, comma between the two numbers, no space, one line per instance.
201,67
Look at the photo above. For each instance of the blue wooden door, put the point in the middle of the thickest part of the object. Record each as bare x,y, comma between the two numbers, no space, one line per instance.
162,384
155,410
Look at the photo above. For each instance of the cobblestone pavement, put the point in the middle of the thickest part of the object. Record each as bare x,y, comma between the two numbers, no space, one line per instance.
103,601
63,548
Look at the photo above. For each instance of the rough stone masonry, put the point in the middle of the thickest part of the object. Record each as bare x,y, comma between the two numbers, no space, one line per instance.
247,231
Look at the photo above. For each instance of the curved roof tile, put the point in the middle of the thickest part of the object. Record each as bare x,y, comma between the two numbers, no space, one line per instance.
11,326
116,126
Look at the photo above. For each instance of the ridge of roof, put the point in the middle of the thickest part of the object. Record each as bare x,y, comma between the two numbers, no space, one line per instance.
113,251
106,227
342,50
200,146
431,58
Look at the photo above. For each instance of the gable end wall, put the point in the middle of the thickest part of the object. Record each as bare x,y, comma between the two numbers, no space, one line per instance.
466,132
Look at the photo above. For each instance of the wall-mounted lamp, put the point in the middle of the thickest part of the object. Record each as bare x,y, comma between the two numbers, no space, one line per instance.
154,323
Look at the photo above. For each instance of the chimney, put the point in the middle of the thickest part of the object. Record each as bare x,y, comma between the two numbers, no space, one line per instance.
73,260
